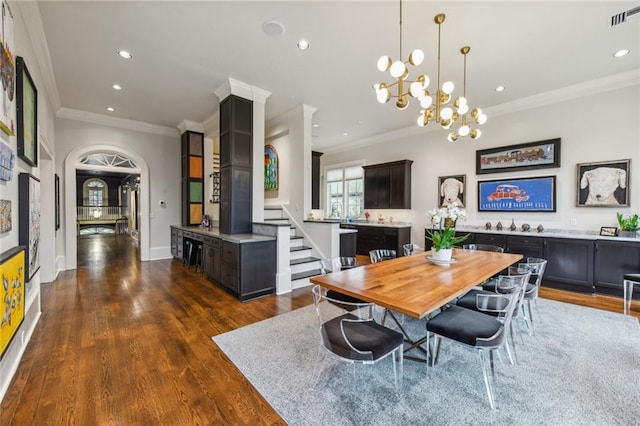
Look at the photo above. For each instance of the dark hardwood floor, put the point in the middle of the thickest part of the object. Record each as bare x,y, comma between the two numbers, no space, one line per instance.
129,343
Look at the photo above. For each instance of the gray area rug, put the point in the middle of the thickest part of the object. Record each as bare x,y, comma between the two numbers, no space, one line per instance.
581,367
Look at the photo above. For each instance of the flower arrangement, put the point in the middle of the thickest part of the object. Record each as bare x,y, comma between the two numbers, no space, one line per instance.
445,218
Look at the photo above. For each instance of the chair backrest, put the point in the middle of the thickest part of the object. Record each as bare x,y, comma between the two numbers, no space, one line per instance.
410,249
506,310
331,319
537,271
347,262
483,247
378,255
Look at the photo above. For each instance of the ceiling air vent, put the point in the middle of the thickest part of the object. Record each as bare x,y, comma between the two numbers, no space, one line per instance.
622,16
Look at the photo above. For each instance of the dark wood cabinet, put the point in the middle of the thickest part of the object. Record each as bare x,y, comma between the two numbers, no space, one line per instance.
388,185
526,246
348,244
315,179
380,236
211,259
569,264
613,259
177,243
249,269
491,239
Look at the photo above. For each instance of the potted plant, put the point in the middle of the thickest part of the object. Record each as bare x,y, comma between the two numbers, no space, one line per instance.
444,238
628,225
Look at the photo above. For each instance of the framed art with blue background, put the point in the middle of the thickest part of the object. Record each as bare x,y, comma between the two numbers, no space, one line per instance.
531,194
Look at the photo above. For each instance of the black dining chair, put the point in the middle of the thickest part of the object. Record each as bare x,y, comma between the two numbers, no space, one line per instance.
379,255
353,336
477,330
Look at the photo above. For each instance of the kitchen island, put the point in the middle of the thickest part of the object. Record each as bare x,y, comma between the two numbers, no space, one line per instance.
244,264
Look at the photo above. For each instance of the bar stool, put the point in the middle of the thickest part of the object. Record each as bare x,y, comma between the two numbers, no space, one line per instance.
629,281
186,261
199,258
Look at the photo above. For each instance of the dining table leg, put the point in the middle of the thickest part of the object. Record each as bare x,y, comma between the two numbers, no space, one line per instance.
412,344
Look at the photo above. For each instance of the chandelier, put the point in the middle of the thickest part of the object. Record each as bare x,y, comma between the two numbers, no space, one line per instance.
399,71
437,106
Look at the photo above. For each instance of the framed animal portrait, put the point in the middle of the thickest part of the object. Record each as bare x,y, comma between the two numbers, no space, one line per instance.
452,189
603,184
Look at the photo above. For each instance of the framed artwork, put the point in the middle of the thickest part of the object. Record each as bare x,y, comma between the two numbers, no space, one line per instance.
603,184
5,216
532,194
609,231
29,221
270,168
56,195
12,295
7,162
27,112
7,73
528,156
452,189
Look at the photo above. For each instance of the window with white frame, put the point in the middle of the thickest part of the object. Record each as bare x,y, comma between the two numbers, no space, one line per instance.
345,192
94,193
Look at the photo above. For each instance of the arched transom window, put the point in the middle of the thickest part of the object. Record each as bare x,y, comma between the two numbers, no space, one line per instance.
95,192
108,159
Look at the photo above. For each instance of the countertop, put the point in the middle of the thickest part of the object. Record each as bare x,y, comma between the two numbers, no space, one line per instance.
551,233
362,223
233,238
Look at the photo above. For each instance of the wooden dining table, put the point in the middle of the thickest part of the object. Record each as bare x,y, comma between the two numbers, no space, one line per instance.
413,285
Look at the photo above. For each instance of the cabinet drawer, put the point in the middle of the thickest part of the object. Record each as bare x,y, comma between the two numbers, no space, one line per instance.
213,242
230,277
493,239
229,253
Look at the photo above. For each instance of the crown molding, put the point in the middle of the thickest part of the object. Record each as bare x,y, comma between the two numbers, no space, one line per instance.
193,126
123,123
33,25
589,88
242,89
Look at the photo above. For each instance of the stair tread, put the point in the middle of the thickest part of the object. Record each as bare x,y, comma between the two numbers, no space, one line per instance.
296,237
303,260
299,248
272,208
306,274
276,218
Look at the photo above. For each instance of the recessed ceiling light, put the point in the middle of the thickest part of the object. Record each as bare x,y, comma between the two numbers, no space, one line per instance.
621,53
345,134
303,45
273,28
316,125
125,54
500,89
111,109
117,87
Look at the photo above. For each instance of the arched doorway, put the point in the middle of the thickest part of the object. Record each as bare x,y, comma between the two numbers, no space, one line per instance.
77,160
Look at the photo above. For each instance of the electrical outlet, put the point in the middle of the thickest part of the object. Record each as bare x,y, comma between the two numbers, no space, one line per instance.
573,221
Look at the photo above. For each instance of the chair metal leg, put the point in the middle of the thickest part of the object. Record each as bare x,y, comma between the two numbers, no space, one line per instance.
319,365
628,295
530,313
488,381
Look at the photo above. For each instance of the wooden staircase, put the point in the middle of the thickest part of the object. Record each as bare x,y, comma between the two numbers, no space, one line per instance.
303,265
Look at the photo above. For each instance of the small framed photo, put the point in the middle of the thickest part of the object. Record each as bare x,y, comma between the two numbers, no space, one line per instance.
603,184
609,231
452,190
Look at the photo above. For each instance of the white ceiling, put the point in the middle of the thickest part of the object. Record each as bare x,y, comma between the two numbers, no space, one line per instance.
183,51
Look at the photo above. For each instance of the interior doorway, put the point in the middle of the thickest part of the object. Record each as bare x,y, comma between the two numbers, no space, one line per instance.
105,159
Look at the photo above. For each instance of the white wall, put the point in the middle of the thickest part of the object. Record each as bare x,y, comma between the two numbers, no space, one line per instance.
162,154
594,128
9,191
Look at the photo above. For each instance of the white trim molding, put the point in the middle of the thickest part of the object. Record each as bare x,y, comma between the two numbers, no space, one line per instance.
123,123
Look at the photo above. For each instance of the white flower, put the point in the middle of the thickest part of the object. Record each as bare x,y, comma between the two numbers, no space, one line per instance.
452,211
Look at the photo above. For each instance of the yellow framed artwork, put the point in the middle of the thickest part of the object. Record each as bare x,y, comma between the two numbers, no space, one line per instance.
12,295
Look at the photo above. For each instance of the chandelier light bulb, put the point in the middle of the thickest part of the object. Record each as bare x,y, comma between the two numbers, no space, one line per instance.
384,63
452,137
416,57
397,69
420,120
446,113
463,109
415,89
464,130
475,134
482,119
426,102
383,94
447,87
